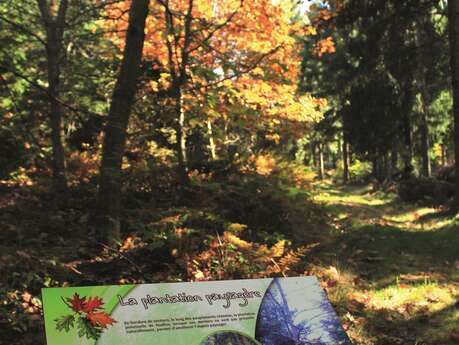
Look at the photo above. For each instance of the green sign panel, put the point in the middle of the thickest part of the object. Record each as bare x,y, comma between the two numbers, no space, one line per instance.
278,311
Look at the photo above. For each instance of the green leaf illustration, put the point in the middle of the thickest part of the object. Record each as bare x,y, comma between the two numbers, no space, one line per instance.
65,323
86,329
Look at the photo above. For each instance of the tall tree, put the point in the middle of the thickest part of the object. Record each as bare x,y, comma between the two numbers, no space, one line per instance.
178,72
453,14
53,16
109,197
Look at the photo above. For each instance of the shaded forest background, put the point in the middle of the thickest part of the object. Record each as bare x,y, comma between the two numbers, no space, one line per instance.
166,140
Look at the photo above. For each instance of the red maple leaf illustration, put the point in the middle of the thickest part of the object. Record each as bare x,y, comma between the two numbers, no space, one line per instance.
92,304
101,319
77,303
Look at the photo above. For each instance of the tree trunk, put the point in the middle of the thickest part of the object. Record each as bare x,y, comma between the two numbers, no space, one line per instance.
56,118
181,138
54,21
321,161
312,147
109,196
453,14
339,153
345,159
426,166
443,155
423,39
376,169
212,145
178,44
407,152
394,157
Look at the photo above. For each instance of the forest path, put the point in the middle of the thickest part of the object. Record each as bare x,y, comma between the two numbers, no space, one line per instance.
391,269
361,205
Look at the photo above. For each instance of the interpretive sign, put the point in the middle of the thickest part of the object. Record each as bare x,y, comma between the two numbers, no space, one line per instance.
278,311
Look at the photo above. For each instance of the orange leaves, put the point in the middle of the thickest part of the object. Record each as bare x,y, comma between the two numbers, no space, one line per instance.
325,15
243,51
229,256
325,46
100,319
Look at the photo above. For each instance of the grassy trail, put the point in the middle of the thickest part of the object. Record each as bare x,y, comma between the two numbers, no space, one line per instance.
391,269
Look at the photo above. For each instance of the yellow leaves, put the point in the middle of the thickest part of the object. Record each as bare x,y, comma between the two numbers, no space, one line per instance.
278,249
236,227
310,30
227,83
154,86
275,137
265,164
258,72
236,241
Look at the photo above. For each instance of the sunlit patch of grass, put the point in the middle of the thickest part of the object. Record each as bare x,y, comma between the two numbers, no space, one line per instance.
411,215
422,218
354,195
411,299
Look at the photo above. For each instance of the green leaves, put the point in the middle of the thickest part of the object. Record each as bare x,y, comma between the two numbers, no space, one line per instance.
86,329
65,323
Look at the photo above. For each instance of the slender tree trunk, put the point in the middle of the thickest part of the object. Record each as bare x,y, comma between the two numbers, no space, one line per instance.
109,197
321,161
426,166
53,18
453,14
56,119
376,168
424,37
181,138
212,145
394,157
178,44
345,159
443,155
407,152
312,147
393,162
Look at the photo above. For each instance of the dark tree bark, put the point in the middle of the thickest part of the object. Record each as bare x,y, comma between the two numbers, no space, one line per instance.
426,165
53,16
407,152
453,14
109,197
178,71
424,37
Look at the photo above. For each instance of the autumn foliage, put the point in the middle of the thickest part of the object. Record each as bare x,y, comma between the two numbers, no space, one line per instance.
242,59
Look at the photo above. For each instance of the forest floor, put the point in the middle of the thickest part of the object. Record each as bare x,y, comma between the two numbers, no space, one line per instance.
390,269
395,267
